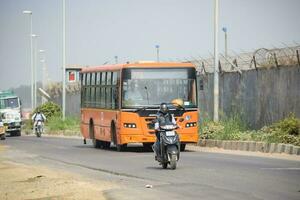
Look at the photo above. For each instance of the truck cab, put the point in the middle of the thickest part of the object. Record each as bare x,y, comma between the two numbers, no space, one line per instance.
10,111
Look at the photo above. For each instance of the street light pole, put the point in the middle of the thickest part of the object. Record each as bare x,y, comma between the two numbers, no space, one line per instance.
64,63
116,59
216,62
225,35
43,61
34,36
157,52
28,12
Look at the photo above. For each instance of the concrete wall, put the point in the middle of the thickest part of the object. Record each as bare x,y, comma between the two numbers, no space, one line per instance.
260,96
72,103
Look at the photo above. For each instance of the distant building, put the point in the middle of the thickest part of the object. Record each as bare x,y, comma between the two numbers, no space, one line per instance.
72,74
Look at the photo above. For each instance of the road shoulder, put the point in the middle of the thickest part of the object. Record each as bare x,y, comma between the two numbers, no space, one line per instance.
25,181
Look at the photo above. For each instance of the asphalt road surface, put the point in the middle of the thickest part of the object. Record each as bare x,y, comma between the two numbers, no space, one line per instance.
199,175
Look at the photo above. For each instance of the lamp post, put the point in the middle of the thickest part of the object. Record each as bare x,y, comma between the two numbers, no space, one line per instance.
224,29
157,52
116,59
216,62
28,12
64,62
34,37
43,61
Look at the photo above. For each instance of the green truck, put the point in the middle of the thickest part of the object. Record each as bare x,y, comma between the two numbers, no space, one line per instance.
10,111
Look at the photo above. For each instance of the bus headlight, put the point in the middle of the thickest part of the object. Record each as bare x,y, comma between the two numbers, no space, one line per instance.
192,124
129,125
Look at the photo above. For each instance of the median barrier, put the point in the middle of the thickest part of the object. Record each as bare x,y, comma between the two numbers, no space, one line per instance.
296,150
259,146
266,147
273,148
280,148
288,149
234,145
251,146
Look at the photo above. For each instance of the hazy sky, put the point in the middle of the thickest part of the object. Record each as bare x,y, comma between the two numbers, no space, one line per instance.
97,30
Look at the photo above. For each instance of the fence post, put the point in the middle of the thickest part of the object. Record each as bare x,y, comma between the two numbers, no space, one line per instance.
220,68
275,58
203,68
254,60
298,59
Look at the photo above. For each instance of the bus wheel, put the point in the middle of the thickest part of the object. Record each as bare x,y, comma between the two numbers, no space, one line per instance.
106,145
147,146
182,147
121,147
2,137
96,143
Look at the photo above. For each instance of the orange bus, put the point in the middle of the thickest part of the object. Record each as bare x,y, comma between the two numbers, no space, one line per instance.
119,102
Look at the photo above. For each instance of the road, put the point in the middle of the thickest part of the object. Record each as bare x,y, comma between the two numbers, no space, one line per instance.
199,175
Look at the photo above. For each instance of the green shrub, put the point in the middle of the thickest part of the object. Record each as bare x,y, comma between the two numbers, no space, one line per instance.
227,129
285,131
55,123
49,109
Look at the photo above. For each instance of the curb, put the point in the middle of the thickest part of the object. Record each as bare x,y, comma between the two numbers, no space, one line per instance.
251,146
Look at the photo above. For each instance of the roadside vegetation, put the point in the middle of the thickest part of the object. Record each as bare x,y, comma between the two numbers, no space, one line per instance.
285,131
54,124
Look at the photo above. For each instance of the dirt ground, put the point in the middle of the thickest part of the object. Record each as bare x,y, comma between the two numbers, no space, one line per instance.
19,181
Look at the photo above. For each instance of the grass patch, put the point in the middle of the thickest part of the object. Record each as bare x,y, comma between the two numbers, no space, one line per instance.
285,131
71,124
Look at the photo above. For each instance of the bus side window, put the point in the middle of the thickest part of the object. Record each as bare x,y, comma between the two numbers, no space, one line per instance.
108,90
114,95
88,90
103,84
98,89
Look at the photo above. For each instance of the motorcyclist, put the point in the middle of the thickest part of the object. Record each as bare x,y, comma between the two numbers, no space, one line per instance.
163,117
38,116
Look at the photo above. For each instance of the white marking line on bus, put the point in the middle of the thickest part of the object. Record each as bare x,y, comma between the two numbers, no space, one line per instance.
286,168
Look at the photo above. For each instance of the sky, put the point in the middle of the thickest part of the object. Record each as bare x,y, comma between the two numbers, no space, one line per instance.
99,30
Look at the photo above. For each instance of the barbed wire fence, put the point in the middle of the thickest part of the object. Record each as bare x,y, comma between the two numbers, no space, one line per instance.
260,58
262,86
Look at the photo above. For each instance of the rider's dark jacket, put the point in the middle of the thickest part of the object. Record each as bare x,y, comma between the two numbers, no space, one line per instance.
163,118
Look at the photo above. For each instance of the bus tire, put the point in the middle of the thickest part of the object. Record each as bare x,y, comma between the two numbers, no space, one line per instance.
96,143
113,133
2,137
106,145
182,147
121,147
148,147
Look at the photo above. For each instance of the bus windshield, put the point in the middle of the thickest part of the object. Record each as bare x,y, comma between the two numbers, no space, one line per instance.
152,86
9,103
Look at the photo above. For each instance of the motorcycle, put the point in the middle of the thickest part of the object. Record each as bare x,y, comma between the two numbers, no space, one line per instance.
39,127
168,152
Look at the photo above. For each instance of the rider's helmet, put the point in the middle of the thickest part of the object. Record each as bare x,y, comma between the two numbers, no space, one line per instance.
164,108
38,111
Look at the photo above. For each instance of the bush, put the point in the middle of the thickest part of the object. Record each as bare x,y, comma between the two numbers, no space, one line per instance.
55,123
227,129
285,131
49,109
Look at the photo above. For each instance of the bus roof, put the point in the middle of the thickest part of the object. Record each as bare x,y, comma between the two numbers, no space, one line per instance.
7,94
137,65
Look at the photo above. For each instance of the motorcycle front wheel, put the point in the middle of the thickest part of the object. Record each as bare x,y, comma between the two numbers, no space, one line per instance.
173,162
164,165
